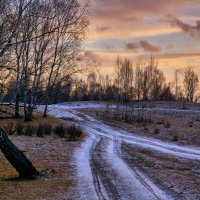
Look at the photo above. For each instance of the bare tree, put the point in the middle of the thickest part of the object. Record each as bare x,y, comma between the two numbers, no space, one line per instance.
147,80
139,78
158,83
71,21
46,44
124,77
13,14
191,83
177,89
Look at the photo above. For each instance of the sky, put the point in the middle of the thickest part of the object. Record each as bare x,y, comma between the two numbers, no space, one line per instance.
166,29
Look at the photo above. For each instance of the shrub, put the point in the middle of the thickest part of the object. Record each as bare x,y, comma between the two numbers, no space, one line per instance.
74,133
190,124
47,129
197,119
19,128
161,122
156,131
9,128
30,130
168,125
174,138
43,129
60,131
40,131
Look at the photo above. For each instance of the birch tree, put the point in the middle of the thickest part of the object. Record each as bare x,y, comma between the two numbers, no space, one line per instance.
191,83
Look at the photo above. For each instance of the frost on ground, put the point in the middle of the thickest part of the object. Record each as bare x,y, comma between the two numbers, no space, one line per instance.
84,173
167,123
101,170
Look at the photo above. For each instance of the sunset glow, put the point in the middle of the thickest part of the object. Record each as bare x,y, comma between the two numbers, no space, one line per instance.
169,30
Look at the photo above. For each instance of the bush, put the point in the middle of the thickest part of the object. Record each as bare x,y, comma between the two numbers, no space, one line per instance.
190,124
19,129
40,131
161,122
30,130
74,133
197,119
168,125
156,131
174,138
9,128
43,129
47,129
60,131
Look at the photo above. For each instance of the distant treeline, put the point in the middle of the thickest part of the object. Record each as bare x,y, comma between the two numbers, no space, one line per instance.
140,82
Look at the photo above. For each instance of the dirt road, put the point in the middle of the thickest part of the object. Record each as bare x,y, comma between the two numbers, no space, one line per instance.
102,171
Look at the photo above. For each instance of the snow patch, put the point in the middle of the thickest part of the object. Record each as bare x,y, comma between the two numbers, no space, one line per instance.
85,179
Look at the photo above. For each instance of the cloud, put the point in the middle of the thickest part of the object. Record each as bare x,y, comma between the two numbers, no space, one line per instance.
179,55
89,55
133,10
170,46
133,18
103,28
143,44
192,30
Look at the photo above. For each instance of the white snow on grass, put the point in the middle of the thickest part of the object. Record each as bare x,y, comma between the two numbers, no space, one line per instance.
77,105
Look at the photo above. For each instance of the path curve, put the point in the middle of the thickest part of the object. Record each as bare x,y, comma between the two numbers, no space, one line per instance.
102,173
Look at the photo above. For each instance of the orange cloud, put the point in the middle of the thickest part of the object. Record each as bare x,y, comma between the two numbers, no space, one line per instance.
145,45
89,55
133,10
103,28
192,30
117,22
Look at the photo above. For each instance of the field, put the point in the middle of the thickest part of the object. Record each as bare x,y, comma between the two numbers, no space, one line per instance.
168,122
115,159
49,152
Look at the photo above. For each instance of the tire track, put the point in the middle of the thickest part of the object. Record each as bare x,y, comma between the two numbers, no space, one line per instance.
118,179
108,175
102,179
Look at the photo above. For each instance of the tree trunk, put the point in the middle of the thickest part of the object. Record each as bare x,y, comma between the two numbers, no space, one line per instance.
17,115
45,110
18,160
28,114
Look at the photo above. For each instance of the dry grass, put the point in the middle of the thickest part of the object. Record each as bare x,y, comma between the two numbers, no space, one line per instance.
44,153
37,119
47,152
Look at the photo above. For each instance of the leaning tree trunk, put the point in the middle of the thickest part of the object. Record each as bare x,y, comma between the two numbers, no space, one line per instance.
18,160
